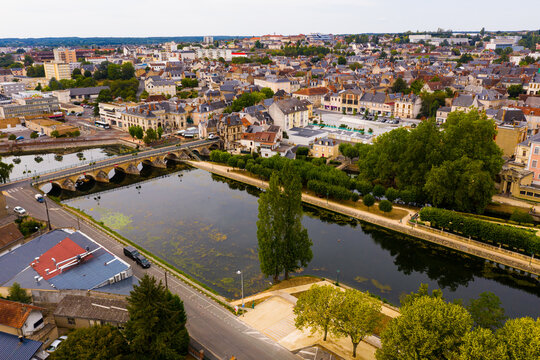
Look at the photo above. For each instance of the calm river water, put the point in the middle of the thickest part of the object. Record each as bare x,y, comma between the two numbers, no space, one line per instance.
206,226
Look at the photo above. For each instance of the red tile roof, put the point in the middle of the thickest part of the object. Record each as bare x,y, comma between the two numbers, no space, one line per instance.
14,314
8,234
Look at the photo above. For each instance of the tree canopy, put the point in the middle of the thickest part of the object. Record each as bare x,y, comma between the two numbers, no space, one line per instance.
5,170
453,168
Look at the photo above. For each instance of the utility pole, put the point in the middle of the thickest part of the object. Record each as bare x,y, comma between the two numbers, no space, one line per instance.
47,210
166,284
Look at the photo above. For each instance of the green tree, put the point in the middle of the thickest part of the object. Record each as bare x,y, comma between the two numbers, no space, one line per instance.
12,137
34,135
342,61
104,95
385,206
358,316
521,217
269,229
157,322
55,85
317,308
368,200
150,136
127,71
87,73
144,94
481,344
515,90
487,311
76,72
55,133
189,83
399,86
428,328
28,61
378,191
423,291
416,86
104,342
284,244
16,293
521,337
391,194
159,132
35,71
268,93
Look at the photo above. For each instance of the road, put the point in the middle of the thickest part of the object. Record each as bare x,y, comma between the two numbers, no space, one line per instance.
208,322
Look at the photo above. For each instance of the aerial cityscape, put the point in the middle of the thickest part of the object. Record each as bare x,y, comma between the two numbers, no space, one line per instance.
321,187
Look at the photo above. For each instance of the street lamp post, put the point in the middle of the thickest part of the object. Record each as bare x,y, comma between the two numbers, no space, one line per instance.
327,198
47,210
337,282
242,284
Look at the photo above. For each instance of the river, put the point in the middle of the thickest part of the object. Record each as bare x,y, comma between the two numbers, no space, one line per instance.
35,164
206,226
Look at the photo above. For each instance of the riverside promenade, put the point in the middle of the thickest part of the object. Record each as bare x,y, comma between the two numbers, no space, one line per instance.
492,253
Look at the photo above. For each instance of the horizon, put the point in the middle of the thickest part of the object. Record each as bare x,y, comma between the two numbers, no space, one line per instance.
240,18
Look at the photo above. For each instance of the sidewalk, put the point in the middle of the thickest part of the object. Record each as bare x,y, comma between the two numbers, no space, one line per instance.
489,252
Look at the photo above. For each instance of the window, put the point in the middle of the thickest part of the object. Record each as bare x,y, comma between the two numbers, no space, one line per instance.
71,321
536,150
534,163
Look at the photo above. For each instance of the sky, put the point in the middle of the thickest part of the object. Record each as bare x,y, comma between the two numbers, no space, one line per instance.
142,18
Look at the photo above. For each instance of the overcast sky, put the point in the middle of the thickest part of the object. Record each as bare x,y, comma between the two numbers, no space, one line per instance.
139,18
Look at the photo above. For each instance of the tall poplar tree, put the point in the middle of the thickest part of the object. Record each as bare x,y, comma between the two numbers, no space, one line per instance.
296,243
270,229
284,244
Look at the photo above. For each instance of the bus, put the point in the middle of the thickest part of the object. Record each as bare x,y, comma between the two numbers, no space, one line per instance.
102,124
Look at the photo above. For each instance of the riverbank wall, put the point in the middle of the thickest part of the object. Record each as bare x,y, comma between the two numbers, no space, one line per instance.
497,255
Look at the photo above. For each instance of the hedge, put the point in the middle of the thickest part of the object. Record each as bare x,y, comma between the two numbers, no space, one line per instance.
334,191
487,232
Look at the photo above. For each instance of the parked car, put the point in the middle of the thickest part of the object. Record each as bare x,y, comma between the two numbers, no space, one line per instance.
134,254
19,138
19,210
55,344
212,137
39,198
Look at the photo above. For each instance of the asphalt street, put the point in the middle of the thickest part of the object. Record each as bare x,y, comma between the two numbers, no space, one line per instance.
209,323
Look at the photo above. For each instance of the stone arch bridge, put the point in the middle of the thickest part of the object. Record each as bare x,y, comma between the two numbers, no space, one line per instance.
130,164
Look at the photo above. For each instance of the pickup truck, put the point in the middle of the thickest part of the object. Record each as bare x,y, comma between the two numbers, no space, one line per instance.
134,254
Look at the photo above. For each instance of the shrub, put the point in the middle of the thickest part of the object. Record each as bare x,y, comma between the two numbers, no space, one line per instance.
355,197
368,200
12,137
521,217
407,196
483,231
34,135
378,191
391,194
302,151
364,187
385,206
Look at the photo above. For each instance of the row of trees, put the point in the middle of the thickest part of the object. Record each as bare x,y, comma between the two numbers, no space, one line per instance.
156,329
514,237
151,135
431,328
283,242
453,167
428,327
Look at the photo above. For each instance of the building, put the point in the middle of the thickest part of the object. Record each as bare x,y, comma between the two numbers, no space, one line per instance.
325,148
276,84
20,319
47,127
65,55
318,37
415,39
289,113
214,54
501,42
305,137
407,106
111,113
29,103
65,259
75,312
88,93
154,85
511,130
59,71
10,235
19,348
8,88
534,85
168,115
208,40
313,95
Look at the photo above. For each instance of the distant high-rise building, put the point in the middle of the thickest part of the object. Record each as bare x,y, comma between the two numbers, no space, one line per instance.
208,40
59,71
65,55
